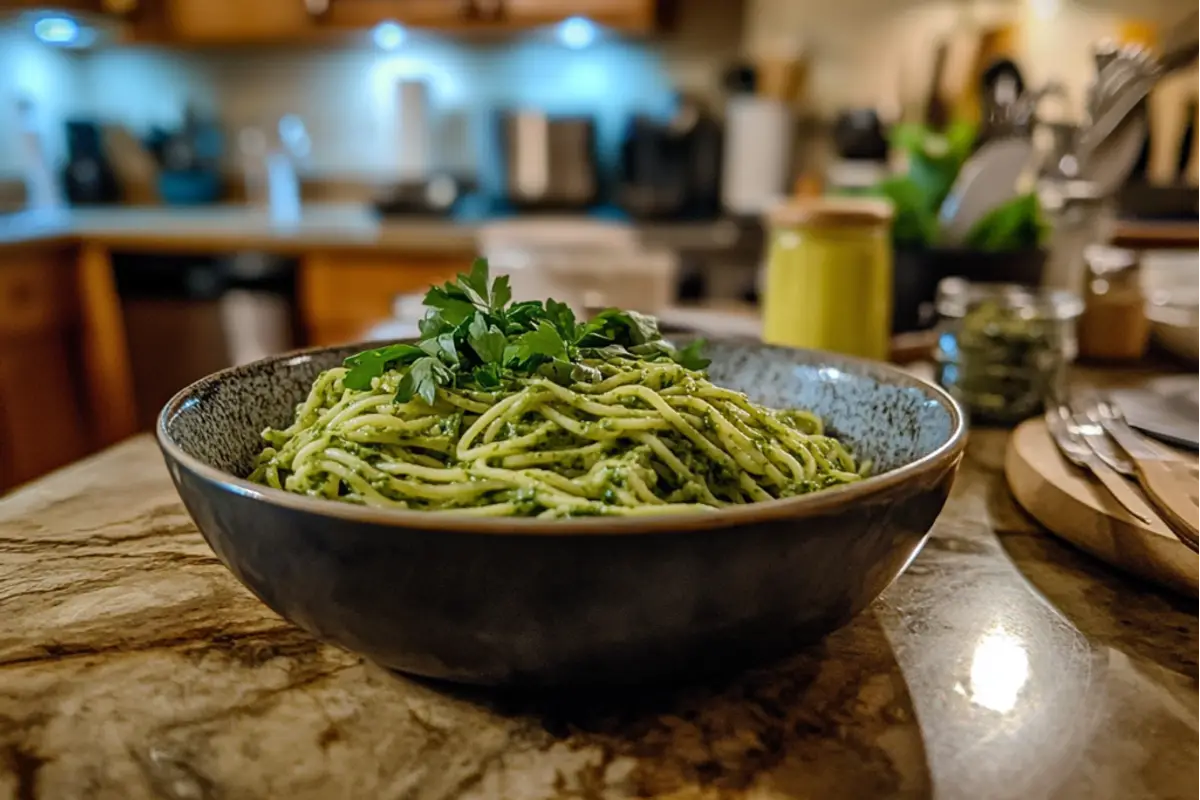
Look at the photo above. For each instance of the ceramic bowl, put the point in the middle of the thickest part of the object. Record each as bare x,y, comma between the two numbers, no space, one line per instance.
1173,301
540,602
1175,321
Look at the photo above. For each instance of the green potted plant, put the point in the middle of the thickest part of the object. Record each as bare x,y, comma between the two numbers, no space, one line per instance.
1005,245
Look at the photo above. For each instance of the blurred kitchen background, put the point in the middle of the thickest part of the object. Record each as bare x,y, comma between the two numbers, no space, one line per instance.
190,184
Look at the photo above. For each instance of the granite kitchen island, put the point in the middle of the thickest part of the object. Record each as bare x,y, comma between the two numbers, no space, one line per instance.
1003,663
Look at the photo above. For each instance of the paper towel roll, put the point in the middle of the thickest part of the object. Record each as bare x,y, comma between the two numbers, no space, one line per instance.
758,148
412,106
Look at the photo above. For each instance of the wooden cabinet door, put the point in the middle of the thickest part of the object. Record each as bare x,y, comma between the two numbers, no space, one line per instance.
93,6
42,424
635,16
420,13
342,295
628,15
233,21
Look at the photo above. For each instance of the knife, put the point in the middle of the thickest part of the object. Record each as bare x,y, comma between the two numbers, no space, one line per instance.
1171,483
1074,448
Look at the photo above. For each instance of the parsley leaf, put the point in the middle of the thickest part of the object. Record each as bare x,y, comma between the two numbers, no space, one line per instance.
523,316
606,352
422,379
449,309
371,364
501,294
486,340
487,377
690,358
475,284
441,347
563,319
472,334
614,326
544,341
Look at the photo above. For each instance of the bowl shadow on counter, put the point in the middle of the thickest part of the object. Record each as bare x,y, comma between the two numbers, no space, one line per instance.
834,719
1140,619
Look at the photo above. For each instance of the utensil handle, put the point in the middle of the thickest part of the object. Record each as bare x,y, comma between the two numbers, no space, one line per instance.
1140,450
1121,491
1172,487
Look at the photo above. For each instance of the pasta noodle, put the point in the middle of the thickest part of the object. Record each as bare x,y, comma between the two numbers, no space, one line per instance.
644,436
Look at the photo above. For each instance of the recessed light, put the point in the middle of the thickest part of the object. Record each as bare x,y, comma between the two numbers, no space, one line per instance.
576,32
388,35
57,30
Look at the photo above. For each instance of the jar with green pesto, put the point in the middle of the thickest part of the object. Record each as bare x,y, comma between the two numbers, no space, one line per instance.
1002,349
829,276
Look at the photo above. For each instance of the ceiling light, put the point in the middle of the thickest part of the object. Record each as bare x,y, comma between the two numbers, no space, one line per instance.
388,35
58,30
576,32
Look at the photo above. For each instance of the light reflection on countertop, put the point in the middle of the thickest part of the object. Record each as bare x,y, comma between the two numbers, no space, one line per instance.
999,669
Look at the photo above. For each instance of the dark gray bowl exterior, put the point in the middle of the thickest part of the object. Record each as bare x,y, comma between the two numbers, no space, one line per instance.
534,603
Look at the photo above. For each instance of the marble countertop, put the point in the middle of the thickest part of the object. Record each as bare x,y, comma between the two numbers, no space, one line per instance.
337,226
1002,664
224,227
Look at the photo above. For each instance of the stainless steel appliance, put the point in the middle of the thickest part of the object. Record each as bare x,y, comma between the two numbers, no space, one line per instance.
88,177
549,162
672,169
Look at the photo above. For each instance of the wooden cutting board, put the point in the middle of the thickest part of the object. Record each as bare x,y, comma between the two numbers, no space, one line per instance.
1075,507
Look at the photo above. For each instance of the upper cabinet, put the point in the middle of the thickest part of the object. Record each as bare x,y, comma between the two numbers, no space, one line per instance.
634,16
216,22
232,21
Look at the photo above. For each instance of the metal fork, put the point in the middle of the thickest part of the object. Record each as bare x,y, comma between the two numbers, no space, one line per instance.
1074,447
1087,420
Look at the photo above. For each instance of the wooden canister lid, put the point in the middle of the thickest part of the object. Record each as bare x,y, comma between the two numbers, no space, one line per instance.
832,212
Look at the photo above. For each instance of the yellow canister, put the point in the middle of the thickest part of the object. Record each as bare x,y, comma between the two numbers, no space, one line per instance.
829,276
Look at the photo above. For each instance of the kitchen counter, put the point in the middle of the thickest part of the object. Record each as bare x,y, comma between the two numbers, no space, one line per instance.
1002,664
231,227
338,226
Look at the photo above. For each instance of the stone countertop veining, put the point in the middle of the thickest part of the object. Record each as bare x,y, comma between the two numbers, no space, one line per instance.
1002,664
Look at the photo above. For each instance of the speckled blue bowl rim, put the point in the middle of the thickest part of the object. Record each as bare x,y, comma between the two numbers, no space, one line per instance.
806,505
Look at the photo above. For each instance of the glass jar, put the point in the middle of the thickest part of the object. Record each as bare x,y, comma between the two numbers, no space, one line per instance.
1114,325
829,276
1002,350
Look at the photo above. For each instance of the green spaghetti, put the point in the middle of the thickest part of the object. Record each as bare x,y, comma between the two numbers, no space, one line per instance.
518,410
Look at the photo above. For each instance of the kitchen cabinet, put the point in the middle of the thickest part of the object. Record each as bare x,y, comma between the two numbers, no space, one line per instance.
632,16
343,295
42,418
358,14
92,6
220,22
232,21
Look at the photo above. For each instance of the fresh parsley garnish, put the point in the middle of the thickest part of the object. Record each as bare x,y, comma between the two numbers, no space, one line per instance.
473,336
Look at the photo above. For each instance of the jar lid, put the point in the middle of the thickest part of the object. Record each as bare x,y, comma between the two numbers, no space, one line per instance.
832,212
957,296
1106,260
